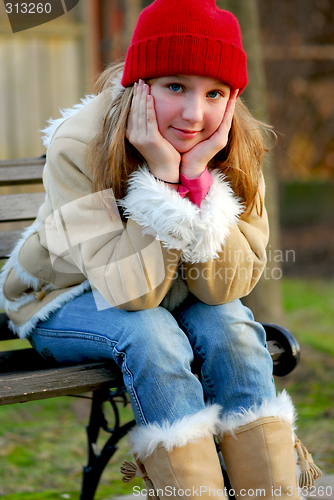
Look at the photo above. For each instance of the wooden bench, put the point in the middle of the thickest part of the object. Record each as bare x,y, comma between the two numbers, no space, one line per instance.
25,376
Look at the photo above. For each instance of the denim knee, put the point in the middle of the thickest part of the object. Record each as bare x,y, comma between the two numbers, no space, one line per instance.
225,327
236,367
154,336
155,356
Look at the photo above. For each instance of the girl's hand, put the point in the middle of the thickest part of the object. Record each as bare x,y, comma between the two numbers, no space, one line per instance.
143,133
193,162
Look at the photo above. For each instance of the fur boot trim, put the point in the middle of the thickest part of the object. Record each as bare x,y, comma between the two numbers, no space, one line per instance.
145,439
281,407
178,223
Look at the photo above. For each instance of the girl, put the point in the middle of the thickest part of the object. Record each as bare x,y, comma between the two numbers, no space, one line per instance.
157,285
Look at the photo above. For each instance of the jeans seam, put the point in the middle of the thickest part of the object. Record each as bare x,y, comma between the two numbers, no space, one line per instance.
103,340
129,373
73,334
99,338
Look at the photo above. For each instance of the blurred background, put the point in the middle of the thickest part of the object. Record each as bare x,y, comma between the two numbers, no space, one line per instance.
54,65
290,46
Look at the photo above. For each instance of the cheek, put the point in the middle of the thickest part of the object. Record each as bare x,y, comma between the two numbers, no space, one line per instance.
166,113
215,118
160,112
165,105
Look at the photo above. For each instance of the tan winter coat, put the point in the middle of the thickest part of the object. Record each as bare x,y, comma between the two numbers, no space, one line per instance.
78,241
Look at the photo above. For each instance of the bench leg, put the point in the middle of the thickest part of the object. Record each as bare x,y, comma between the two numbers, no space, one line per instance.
97,460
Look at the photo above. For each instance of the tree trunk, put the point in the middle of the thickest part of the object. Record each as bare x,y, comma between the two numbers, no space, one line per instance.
265,300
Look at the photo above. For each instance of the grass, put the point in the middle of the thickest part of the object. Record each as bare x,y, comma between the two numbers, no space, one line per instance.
43,443
43,448
309,308
309,305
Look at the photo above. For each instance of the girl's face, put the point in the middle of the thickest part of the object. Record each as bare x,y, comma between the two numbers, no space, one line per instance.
189,108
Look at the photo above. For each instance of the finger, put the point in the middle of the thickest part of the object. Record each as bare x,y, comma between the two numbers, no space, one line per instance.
133,110
136,105
232,100
146,91
142,111
220,137
129,126
229,111
234,94
152,125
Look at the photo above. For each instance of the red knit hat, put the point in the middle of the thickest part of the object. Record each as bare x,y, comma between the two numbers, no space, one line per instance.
191,37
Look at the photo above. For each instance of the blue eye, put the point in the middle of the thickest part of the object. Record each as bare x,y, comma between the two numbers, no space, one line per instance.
214,94
176,87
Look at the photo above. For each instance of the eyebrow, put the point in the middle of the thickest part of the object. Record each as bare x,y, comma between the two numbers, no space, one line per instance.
215,82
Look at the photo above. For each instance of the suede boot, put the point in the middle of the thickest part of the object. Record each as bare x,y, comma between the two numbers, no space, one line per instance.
260,460
186,472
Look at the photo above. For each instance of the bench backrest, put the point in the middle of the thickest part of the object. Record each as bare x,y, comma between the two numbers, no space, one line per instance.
20,209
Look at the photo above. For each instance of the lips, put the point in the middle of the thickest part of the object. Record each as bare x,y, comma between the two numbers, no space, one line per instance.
186,134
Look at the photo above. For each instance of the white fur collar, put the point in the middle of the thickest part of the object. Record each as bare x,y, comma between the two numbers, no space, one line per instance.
178,223
53,124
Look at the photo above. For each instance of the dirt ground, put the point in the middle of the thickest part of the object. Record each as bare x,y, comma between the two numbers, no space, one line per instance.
313,254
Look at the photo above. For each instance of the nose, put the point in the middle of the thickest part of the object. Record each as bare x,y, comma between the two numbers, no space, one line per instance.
193,109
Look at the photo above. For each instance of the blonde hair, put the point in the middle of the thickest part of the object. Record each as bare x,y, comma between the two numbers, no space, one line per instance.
114,158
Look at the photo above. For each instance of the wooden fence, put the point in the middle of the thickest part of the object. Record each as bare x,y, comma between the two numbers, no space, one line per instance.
42,69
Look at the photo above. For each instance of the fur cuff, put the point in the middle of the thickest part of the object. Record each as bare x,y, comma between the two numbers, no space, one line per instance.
199,233
145,439
27,279
45,312
281,407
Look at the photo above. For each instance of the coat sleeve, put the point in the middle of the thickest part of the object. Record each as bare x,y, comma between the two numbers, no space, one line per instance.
83,230
239,263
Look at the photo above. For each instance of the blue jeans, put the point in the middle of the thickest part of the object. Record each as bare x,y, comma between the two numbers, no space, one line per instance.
155,350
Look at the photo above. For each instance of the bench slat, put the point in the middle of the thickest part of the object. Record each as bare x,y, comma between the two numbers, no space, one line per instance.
63,381
23,162
20,206
7,242
21,175
21,171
